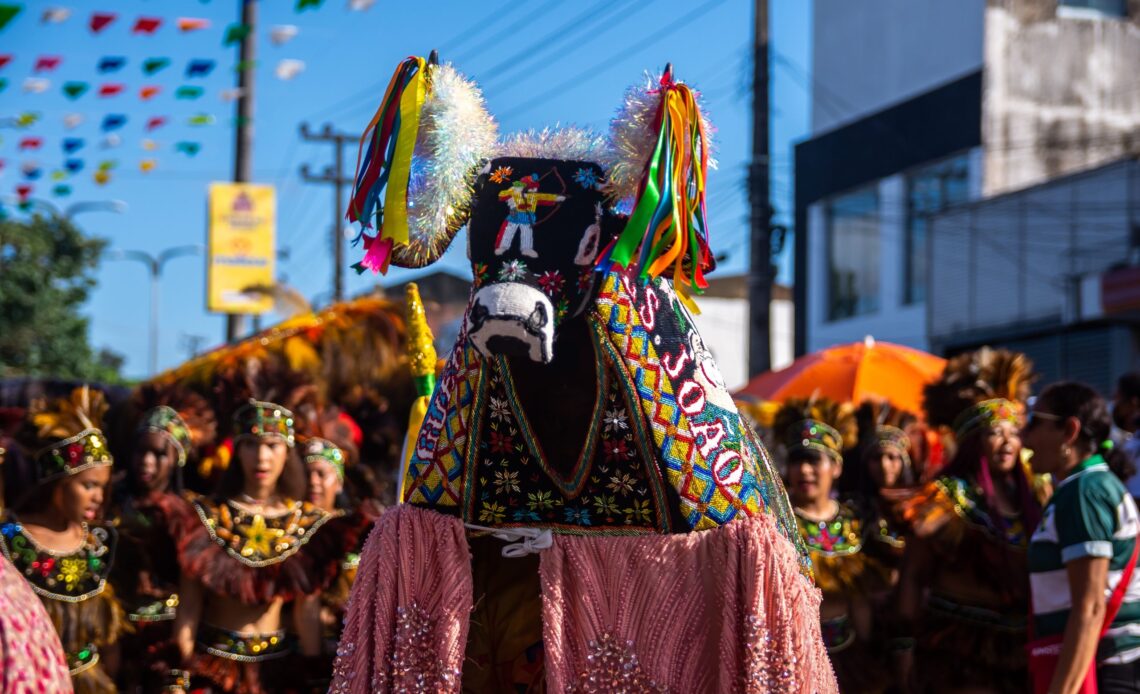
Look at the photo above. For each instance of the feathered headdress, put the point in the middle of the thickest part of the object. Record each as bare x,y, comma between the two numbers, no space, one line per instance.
979,388
817,424
177,412
63,436
882,424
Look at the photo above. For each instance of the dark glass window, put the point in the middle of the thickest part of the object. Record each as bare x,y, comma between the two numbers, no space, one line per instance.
929,190
853,254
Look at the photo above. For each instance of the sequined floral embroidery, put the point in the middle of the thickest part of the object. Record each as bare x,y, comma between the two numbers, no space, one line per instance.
840,535
69,577
610,485
412,664
257,540
613,669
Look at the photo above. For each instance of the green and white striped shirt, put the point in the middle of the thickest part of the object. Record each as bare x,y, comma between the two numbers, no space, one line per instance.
1091,514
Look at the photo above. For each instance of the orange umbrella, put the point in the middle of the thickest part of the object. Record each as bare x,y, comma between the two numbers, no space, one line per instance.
852,373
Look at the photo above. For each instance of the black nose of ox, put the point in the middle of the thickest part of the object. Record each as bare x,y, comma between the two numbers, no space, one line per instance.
512,318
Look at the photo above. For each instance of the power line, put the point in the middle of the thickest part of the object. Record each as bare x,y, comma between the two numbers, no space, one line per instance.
614,59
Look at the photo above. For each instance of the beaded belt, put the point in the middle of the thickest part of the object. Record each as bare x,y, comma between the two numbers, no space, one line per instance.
244,648
83,659
837,633
157,611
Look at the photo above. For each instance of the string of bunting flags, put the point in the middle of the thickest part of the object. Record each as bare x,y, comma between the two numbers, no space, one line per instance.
111,82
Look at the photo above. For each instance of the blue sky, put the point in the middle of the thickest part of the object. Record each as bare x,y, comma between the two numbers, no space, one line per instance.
349,57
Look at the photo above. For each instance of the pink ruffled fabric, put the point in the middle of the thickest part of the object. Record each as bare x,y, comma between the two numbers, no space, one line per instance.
31,658
408,615
724,610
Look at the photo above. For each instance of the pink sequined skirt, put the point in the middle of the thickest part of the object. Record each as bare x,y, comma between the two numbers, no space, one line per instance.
723,610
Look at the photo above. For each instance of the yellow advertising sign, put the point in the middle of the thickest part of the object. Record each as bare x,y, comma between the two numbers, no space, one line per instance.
242,247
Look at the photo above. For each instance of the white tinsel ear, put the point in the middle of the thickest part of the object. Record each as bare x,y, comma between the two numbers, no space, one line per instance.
570,144
633,137
455,133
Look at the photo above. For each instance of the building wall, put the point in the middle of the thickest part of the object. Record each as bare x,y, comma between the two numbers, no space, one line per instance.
723,324
871,54
1014,263
893,321
1061,94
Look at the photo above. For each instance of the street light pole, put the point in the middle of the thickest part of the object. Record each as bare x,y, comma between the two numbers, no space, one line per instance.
154,266
69,213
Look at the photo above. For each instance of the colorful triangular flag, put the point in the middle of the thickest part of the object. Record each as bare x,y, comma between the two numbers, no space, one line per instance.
47,63
186,24
36,85
8,12
188,92
58,175
289,68
244,65
55,15
30,143
27,119
102,177
188,148
153,65
74,90
100,21
236,33
31,170
201,119
146,25
111,141
5,59
305,4
72,120
231,94
110,89
61,191
199,67
282,34
111,63
3,83
108,164
73,165
155,123
149,145
72,145
113,121
23,190
149,92
360,5
147,165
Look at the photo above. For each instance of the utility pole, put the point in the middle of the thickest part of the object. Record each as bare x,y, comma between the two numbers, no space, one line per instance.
243,128
335,175
760,254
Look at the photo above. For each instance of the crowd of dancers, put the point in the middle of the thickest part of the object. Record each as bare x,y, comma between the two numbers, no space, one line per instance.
163,572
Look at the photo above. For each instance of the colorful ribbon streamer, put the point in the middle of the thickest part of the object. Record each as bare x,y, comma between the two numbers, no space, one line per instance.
385,165
667,226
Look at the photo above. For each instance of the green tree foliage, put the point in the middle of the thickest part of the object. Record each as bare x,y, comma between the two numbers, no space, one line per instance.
46,274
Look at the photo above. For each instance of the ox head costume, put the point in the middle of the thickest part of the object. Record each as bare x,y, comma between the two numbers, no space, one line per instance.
579,416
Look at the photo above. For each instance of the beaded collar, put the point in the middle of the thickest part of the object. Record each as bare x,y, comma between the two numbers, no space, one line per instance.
257,539
66,576
842,535
967,503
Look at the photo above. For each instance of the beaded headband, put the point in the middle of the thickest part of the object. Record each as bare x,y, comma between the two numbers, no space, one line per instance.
318,449
85,450
814,434
164,420
258,419
895,438
987,413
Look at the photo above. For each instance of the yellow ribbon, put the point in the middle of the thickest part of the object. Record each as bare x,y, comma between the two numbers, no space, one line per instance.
396,194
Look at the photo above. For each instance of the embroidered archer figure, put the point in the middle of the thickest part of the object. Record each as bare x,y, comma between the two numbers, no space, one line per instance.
522,200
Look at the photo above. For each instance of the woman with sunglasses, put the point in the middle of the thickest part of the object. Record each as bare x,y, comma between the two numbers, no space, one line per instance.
963,592
1085,593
